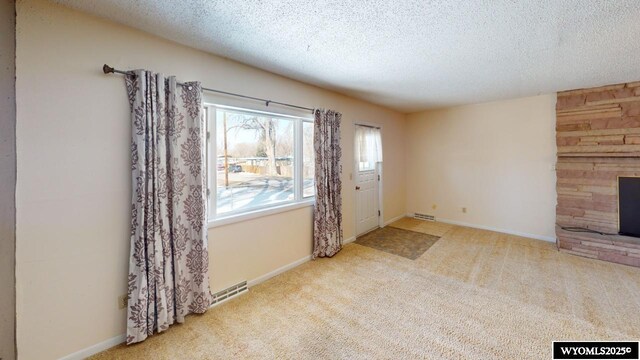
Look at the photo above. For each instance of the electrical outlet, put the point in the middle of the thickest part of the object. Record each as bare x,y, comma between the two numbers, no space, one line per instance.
434,206
464,210
123,301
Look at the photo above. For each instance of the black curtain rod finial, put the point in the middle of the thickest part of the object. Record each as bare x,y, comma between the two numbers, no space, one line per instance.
107,69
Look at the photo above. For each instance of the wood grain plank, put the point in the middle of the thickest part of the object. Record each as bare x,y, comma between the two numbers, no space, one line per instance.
613,101
620,131
590,90
599,149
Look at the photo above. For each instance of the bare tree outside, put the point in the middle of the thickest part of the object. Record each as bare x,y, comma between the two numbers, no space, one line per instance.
265,128
255,159
265,131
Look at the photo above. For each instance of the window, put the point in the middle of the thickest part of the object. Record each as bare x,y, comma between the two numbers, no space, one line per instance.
308,163
257,160
368,147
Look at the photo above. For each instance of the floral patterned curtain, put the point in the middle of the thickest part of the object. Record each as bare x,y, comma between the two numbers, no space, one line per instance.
327,215
168,266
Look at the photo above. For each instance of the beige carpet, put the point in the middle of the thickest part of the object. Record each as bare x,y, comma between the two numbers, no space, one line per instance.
473,294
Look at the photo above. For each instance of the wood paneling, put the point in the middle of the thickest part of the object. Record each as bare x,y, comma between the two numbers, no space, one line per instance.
598,139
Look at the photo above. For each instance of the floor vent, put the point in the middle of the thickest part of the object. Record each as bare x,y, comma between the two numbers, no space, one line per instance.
424,217
229,293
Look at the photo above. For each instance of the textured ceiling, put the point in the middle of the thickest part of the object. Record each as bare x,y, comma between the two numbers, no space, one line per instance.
407,55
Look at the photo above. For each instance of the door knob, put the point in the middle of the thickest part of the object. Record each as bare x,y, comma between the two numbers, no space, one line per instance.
357,187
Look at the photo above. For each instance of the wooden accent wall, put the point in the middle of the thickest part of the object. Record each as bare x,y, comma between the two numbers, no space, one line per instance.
601,121
598,139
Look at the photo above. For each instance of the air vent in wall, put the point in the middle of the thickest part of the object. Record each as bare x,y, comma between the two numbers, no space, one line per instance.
228,293
424,217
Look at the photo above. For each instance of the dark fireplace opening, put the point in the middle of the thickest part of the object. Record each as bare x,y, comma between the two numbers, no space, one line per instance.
629,205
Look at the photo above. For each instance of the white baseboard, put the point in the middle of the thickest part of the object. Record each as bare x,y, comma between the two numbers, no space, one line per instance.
94,349
505,231
277,271
290,266
394,219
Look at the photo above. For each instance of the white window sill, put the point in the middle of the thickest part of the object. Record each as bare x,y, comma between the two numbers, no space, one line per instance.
230,219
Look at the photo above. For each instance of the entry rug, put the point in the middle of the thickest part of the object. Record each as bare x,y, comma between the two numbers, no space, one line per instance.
405,243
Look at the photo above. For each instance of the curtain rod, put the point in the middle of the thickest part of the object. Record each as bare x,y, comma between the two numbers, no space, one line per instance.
109,70
369,126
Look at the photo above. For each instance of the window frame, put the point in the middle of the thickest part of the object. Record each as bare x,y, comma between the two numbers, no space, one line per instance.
301,167
299,200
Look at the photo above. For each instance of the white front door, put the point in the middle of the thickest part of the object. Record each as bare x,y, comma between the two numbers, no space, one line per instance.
367,200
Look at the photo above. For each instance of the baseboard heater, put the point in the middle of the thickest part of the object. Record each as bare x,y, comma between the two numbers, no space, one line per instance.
229,293
424,217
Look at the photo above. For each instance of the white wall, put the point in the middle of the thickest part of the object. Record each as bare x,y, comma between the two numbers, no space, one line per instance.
73,195
7,179
494,158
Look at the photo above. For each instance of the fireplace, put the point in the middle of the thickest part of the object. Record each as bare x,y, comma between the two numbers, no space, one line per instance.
629,205
598,173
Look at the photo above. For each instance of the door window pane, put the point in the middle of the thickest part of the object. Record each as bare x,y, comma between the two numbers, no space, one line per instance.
368,147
